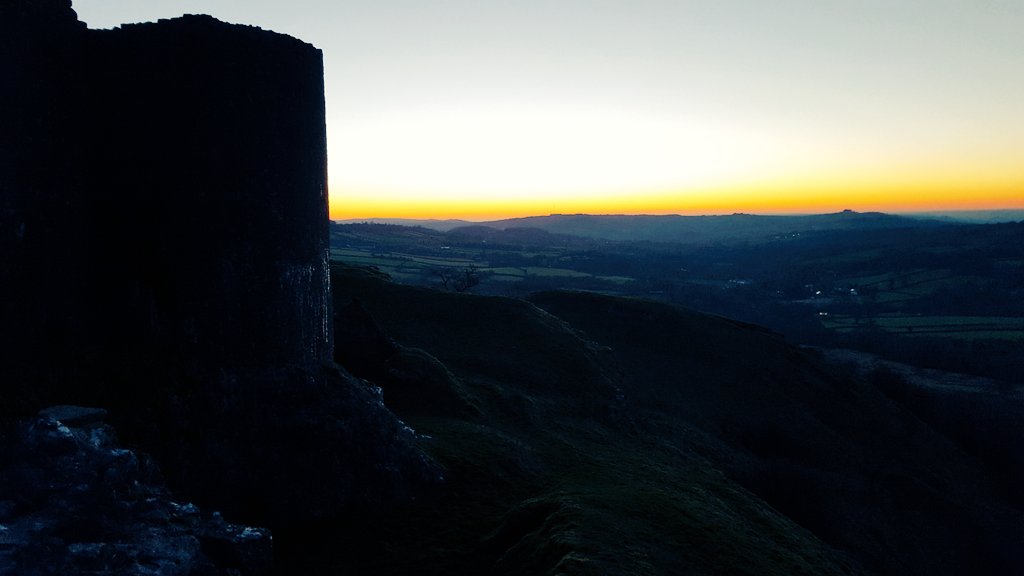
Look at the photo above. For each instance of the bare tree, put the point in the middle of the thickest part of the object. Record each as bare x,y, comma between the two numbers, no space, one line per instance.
458,279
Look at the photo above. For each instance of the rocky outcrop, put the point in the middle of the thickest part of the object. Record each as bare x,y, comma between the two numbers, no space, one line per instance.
73,501
163,254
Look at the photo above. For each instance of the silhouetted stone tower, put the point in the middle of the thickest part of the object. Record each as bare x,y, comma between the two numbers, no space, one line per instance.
164,254
163,200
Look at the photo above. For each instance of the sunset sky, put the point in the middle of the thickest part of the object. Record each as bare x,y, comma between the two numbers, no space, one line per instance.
481,109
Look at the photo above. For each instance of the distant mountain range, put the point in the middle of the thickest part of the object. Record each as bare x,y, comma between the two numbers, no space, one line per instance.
974,216
609,226
439,225
681,229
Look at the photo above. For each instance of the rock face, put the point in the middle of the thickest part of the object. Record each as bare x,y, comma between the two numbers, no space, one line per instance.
72,501
164,254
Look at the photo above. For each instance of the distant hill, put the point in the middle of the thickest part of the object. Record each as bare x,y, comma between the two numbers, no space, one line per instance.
708,229
440,225
973,216
705,229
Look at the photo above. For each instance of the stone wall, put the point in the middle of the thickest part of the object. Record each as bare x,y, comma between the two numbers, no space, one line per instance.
164,201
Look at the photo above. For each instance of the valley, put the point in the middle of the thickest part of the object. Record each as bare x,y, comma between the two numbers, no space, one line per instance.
939,295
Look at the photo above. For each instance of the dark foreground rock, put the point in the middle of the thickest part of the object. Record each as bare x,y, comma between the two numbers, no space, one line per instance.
289,447
73,501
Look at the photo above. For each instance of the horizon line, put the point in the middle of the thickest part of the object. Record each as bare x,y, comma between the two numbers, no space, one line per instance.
933,212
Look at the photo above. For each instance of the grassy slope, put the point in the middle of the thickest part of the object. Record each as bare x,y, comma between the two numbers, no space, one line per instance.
576,459
829,451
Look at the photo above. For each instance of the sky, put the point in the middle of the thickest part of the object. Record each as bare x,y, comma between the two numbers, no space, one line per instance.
483,109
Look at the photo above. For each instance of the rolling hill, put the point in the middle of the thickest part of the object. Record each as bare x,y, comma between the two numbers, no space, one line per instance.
589,434
679,229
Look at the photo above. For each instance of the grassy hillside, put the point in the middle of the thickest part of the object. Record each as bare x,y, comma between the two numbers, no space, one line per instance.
660,442
830,452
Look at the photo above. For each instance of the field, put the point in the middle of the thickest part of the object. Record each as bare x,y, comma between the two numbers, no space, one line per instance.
895,287
963,327
414,268
950,298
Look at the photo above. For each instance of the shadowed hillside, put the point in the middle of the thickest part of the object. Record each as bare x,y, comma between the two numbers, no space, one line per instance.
831,452
548,471
657,441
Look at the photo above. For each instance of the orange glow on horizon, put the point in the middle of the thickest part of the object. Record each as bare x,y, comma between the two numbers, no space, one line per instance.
767,198
478,161
716,178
